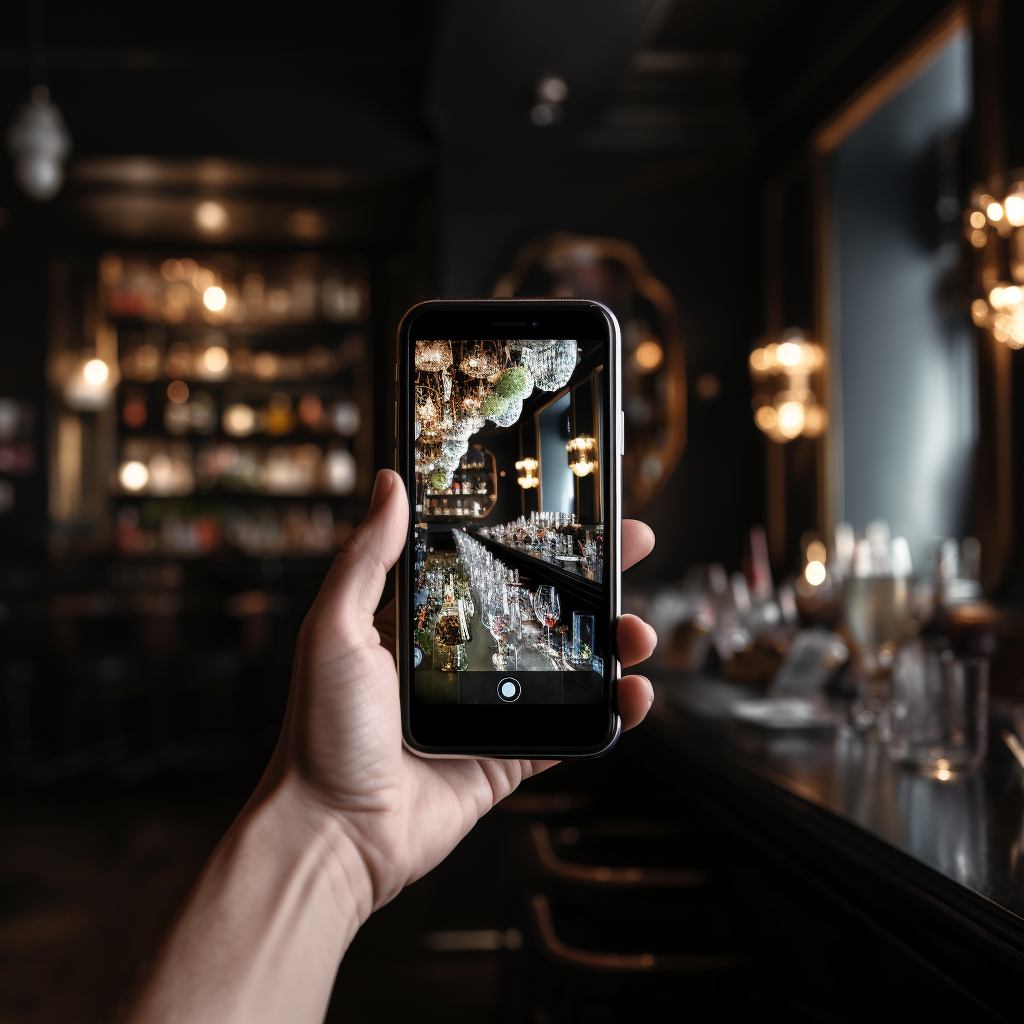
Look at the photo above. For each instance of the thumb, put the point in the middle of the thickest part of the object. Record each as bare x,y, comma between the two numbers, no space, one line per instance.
355,581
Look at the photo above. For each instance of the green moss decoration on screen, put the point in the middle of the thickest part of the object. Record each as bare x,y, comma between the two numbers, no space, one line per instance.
493,405
515,382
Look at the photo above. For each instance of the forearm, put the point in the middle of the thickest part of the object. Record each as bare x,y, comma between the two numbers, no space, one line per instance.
262,933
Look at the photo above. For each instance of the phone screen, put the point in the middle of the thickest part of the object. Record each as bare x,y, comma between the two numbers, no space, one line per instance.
508,471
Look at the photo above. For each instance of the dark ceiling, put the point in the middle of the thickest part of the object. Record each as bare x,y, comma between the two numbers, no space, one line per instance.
369,82
387,86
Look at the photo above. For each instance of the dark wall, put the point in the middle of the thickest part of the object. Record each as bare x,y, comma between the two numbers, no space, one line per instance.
490,202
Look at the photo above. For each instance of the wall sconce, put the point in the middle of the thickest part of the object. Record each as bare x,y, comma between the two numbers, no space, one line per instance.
528,467
785,406
582,456
992,227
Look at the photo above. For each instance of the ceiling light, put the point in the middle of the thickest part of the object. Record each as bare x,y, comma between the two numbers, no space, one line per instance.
39,143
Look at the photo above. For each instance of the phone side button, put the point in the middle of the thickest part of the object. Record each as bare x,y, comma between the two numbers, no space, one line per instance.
622,432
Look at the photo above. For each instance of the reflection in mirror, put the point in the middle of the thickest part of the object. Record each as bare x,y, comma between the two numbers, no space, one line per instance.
653,359
472,492
588,488
557,481
528,450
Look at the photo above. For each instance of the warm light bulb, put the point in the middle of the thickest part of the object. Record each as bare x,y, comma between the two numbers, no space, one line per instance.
133,476
1014,207
815,574
788,353
1004,296
214,298
994,211
816,551
239,420
648,355
766,418
791,419
977,219
215,359
96,372
211,217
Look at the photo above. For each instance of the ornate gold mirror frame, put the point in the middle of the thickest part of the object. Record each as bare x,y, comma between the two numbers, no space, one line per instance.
612,271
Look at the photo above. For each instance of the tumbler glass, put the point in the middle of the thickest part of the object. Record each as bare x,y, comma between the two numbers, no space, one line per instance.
582,638
939,713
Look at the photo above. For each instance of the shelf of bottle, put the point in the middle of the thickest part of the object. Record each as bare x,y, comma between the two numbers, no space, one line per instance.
250,329
300,435
338,381
227,493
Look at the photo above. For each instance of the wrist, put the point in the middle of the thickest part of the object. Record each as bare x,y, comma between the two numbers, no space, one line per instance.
322,849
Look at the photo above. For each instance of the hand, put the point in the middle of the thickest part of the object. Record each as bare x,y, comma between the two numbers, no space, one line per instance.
342,737
344,816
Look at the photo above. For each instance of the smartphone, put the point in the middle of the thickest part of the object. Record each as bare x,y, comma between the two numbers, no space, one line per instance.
509,438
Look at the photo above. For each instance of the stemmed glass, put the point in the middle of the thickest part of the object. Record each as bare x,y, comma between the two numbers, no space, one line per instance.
515,622
548,608
487,615
500,615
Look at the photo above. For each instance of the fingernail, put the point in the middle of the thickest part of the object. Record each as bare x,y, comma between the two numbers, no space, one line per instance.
381,489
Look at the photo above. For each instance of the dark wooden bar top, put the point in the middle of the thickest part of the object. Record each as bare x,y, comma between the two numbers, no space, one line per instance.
937,866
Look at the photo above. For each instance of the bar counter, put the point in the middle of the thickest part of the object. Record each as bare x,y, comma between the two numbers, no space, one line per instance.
937,867
566,576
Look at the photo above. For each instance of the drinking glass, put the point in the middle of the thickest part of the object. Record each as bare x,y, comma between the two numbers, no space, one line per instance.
876,611
939,711
582,638
500,617
549,608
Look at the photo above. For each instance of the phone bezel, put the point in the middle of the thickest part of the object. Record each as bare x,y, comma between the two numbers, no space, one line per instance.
544,311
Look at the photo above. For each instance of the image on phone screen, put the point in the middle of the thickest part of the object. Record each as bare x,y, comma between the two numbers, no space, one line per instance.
509,604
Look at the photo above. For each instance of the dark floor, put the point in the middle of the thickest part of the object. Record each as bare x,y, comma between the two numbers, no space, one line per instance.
89,878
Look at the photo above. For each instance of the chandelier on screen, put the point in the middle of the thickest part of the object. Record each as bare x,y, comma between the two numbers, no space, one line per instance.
785,405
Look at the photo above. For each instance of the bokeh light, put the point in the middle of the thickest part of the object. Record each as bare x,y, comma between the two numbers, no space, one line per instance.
96,372
133,475
211,217
815,573
215,298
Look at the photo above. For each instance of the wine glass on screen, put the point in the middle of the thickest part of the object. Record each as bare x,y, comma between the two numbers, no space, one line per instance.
514,636
500,617
548,607
487,613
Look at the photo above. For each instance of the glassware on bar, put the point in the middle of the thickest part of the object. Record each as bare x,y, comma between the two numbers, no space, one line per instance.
939,712
549,609
878,606
582,638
